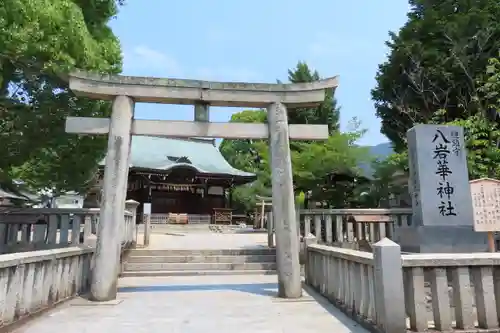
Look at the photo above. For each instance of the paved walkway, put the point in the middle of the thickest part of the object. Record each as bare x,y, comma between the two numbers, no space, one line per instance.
243,304
207,240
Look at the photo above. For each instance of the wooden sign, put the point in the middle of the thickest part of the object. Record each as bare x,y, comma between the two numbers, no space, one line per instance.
486,204
174,187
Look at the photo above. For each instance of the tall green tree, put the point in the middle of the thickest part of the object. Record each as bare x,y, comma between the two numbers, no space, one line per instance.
389,180
482,139
326,113
41,41
482,130
434,63
313,164
250,156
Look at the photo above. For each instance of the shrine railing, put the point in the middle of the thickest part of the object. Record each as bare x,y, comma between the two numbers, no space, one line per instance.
46,256
180,219
47,228
394,292
37,280
335,226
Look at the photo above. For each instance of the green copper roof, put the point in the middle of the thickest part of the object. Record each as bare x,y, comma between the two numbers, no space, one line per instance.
164,153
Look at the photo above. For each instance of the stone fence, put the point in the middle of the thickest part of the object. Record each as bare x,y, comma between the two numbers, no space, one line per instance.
56,260
181,219
347,226
440,292
33,281
30,229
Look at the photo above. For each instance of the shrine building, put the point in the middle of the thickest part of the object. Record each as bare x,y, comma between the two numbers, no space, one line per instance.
185,180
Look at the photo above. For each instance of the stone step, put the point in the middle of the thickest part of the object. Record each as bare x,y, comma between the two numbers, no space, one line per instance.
203,259
198,266
196,273
202,252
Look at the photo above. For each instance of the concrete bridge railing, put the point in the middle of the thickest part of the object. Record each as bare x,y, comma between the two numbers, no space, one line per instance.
57,257
31,229
33,281
337,226
391,292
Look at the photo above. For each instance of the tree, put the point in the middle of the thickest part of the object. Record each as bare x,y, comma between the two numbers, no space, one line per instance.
482,139
389,180
250,156
434,63
481,130
326,113
41,41
313,164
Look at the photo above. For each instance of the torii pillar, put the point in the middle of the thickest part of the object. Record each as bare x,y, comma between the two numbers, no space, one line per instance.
123,91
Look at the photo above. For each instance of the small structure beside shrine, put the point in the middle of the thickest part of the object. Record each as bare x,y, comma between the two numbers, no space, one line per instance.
187,181
486,206
262,207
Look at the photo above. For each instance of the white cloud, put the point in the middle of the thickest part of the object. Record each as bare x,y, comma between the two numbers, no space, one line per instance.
145,61
145,58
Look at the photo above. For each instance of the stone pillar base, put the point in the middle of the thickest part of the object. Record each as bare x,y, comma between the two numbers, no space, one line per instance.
441,239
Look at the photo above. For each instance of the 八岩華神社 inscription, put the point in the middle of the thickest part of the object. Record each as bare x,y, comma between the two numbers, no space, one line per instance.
439,179
445,188
442,219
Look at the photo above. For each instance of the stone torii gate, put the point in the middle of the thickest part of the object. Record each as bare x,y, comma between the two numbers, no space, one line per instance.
124,91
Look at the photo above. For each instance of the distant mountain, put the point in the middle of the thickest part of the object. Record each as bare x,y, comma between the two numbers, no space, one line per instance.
380,151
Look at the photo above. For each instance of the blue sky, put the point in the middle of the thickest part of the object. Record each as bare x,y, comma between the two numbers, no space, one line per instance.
259,40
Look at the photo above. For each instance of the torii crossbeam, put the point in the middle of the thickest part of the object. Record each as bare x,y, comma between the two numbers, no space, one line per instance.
124,91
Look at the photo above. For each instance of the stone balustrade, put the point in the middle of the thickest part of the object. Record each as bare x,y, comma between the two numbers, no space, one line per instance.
61,244
455,291
129,233
335,226
392,292
175,218
30,229
344,276
33,281
348,278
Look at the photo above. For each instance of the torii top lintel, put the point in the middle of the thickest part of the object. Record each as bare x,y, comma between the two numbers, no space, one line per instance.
180,91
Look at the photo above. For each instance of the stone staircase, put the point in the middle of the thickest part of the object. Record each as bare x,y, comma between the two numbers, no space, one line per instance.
143,262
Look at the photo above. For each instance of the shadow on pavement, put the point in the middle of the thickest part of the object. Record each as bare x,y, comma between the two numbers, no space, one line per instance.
261,289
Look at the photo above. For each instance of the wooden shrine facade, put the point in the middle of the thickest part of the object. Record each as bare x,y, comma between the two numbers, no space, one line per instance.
182,190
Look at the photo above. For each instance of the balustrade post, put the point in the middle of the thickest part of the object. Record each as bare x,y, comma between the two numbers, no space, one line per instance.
307,241
131,206
146,219
389,290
